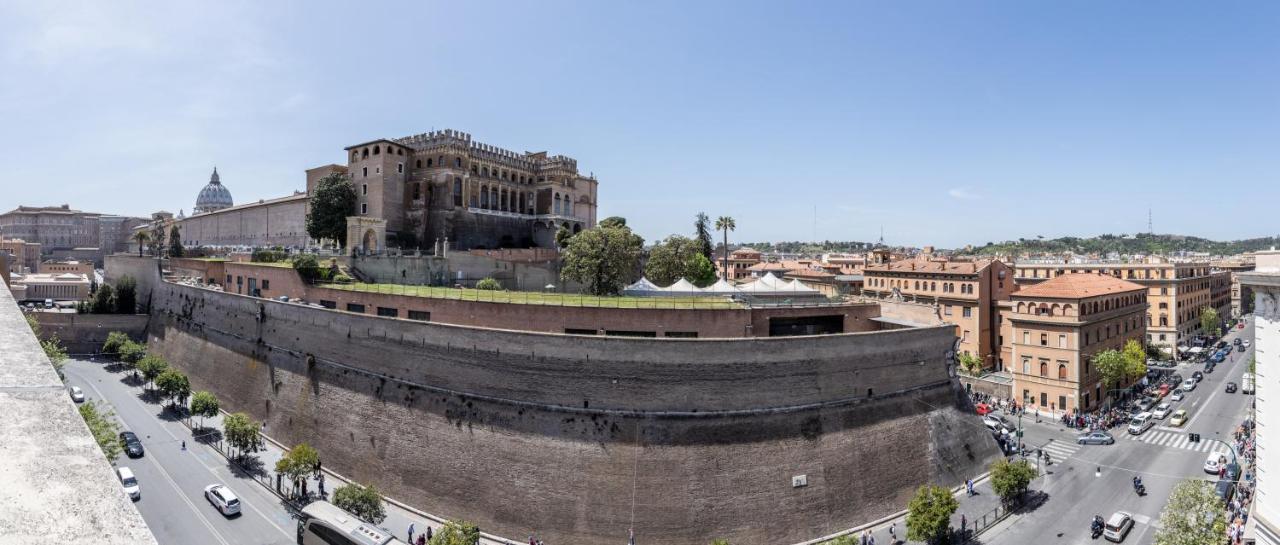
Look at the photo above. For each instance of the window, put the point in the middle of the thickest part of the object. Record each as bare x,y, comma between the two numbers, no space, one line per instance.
418,163
364,189
417,191
399,168
266,284
364,208
1044,368
681,334
946,310
364,171
328,304
1044,399
388,312
1044,339
457,192
1062,341
228,279
1062,370
1062,402
1026,337
420,315
355,307
964,336
967,312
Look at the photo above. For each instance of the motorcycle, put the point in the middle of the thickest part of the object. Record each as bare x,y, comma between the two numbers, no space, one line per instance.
1096,527
1139,488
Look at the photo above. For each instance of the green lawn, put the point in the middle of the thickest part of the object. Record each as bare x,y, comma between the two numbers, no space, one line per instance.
539,298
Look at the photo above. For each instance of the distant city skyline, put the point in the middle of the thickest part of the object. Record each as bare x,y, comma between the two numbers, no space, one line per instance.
946,124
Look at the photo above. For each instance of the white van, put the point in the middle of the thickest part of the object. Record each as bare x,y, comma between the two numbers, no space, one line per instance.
1140,422
129,482
1246,385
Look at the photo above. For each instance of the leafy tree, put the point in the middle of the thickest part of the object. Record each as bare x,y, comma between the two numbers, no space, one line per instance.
457,532
173,385
115,340
142,238
205,405
103,427
126,295
267,255
362,501
700,271
56,353
1193,515
158,238
131,354
1113,366
929,514
307,266
1253,365
1010,479
1209,320
175,242
151,366
298,462
970,364
489,284
726,224
1135,357
702,233
104,300
242,433
333,201
563,234
603,258
676,258
612,222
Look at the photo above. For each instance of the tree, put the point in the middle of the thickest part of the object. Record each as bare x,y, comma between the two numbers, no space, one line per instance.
563,234
152,366
173,385
175,242
126,295
362,501
1253,365
115,341
241,433
1193,515
298,462
612,222
726,224
457,532
700,271
1135,356
52,346
333,201
1209,320
489,284
675,258
970,364
157,238
131,353
1113,366
307,266
103,427
104,300
702,233
603,258
205,405
929,514
142,238
1010,479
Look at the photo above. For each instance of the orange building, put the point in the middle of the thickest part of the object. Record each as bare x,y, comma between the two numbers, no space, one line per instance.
966,293
1055,328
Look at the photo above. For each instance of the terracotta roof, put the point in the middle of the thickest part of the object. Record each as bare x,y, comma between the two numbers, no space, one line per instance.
1078,286
781,265
932,267
808,273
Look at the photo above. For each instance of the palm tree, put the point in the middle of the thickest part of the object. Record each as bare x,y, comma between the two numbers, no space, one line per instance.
726,224
142,237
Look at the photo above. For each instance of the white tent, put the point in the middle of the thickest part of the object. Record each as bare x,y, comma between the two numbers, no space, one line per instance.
682,287
721,287
642,288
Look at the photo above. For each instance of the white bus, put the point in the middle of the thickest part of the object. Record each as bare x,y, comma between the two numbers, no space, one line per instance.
323,523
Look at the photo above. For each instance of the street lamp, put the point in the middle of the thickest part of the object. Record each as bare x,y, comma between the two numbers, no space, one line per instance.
1195,438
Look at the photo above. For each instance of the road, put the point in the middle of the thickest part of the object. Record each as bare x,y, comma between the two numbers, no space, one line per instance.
173,480
1097,479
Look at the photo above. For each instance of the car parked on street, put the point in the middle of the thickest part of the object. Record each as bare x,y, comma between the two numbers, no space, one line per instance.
1231,388
997,423
132,446
77,395
1240,348
223,499
1162,411
1096,438
1145,404
982,409
1177,394
129,482
1214,462
1118,526
1179,418
1246,343
1198,376
1238,341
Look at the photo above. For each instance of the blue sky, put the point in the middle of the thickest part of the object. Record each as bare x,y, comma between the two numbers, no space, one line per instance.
944,122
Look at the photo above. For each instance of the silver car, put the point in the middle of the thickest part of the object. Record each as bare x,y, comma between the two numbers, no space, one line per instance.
1096,438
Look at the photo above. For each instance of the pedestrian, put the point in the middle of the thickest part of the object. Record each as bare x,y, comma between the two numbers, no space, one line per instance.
893,533
871,538
318,466
184,444
428,533
963,524
532,541
968,485
322,494
411,532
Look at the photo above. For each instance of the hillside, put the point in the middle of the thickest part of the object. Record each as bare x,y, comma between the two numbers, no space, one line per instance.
810,248
1142,243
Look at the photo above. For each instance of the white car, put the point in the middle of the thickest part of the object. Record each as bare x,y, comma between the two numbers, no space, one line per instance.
1140,423
997,423
129,482
1177,394
1214,462
1246,343
1188,385
1162,411
1118,526
223,499
77,395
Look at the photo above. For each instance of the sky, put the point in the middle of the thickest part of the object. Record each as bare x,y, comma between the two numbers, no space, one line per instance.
944,123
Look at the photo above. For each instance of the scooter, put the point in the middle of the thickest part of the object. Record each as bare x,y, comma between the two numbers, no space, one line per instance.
1096,527
1139,488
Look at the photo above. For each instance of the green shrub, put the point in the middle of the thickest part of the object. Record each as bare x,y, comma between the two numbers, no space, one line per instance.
489,284
307,266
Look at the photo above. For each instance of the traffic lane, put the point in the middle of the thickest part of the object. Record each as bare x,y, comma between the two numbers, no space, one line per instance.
263,520
1211,407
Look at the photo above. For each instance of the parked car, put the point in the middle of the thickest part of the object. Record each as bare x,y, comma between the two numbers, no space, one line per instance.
997,423
1247,386
1240,348
1246,343
129,482
1214,462
1224,490
77,395
132,446
1162,411
1220,345
1208,367
1238,341
1231,387
1198,376
983,409
1177,394
1179,418
1188,385
1118,526
223,499
1140,422
1096,438
1145,404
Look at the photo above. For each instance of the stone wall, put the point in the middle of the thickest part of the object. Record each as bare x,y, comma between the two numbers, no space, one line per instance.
85,333
459,268
144,270
573,437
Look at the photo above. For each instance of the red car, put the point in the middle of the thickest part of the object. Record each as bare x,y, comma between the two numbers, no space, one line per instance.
983,409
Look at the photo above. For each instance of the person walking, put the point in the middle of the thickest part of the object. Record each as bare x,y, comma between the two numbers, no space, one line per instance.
428,533
411,532
893,533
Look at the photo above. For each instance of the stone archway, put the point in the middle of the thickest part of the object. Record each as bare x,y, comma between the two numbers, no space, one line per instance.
366,235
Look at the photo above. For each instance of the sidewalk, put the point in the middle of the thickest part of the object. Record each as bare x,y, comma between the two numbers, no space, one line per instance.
399,516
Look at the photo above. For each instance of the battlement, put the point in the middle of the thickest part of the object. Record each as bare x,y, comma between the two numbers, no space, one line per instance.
528,160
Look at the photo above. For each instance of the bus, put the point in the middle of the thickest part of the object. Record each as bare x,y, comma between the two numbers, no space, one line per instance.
323,523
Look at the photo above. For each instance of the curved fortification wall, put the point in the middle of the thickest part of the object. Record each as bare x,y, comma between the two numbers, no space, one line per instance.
579,438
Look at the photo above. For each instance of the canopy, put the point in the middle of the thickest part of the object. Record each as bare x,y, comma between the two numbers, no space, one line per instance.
642,287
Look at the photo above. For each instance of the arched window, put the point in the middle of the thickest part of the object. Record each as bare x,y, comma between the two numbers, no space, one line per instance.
1044,369
1066,310
933,286
521,209
1062,372
457,190
557,204
366,153
418,163
917,284
375,150
484,197
428,161
1022,308
493,198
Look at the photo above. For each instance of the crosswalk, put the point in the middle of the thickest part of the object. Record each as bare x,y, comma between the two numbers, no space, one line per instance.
1060,450
1175,439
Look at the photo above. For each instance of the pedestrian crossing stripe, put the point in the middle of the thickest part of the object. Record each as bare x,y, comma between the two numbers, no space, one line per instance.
1178,440
1060,451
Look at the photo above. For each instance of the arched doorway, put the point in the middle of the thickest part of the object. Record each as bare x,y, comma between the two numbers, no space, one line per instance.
369,243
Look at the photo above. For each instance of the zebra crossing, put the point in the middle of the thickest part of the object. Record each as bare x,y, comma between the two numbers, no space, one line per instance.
1175,439
1060,450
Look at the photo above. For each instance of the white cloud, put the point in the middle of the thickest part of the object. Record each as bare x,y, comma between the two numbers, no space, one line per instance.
963,193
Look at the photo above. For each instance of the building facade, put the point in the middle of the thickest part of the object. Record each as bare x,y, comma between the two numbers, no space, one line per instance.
1241,294
1177,291
25,256
59,287
443,185
1057,326
57,228
74,267
262,224
966,293
1264,520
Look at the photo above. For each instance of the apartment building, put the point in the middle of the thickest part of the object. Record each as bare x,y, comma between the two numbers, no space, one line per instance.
966,293
1054,329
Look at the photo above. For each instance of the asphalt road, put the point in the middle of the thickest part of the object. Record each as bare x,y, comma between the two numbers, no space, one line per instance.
173,480
1076,489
